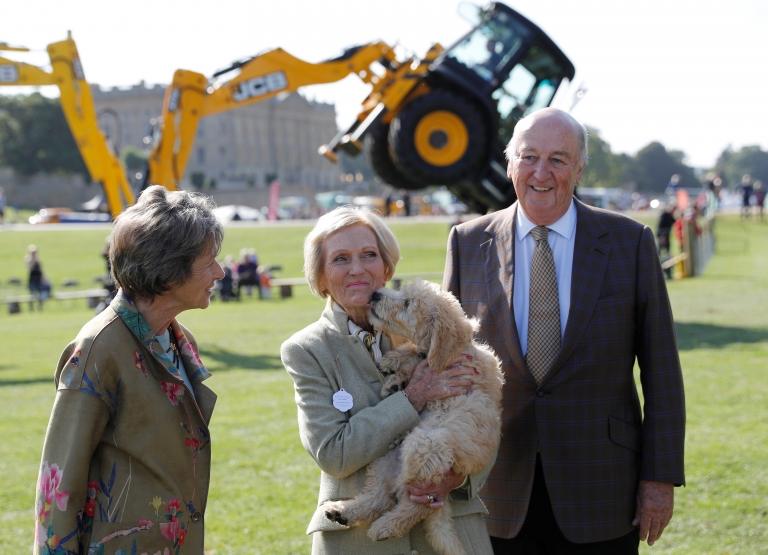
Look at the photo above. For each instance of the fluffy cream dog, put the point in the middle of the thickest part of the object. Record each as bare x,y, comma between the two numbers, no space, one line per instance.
460,432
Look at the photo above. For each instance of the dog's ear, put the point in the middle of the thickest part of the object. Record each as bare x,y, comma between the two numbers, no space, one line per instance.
449,337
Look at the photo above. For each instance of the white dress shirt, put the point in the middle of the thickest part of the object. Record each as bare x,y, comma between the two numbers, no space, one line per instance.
561,242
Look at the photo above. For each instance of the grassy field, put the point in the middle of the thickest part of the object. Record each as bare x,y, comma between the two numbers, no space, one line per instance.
264,485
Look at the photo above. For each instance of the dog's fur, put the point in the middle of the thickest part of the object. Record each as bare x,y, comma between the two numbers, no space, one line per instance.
460,432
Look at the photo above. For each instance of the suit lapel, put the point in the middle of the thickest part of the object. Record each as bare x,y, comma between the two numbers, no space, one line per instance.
498,253
205,399
590,260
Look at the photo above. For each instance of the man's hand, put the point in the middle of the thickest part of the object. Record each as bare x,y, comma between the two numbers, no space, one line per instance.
655,501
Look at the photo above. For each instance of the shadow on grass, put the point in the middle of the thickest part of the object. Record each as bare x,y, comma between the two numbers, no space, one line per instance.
693,335
27,381
231,360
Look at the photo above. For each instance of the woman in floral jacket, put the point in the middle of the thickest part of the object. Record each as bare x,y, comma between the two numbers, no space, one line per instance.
126,458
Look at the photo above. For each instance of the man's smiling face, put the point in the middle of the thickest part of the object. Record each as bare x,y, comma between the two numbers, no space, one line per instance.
546,165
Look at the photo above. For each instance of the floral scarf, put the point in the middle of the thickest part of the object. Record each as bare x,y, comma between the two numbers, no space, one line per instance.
132,318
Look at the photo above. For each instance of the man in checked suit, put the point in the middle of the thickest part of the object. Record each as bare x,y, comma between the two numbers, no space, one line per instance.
582,467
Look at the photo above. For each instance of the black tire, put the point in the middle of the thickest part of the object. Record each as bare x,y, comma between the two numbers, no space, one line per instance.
439,138
377,150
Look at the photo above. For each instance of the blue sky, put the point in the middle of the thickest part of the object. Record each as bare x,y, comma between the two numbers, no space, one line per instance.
690,74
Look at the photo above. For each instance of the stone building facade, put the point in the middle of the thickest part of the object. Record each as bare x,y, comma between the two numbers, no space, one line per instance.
235,151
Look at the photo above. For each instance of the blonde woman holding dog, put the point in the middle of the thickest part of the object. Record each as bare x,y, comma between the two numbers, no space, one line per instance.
344,423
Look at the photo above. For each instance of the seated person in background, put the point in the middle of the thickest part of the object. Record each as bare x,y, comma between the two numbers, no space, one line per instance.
226,285
247,272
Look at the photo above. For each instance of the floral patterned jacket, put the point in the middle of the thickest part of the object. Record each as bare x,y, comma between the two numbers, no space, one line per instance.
126,459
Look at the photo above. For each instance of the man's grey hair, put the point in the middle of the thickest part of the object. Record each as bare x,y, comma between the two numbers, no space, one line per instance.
155,242
582,134
337,220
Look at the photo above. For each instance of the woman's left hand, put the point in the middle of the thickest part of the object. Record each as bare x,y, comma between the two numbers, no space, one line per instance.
435,494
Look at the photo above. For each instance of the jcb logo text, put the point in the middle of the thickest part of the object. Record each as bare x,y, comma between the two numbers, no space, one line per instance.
259,86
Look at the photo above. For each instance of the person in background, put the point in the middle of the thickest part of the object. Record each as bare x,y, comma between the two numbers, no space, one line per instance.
2,205
747,188
674,185
760,200
37,284
227,286
344,423
570,296
407,203
126,458
667,220
247,272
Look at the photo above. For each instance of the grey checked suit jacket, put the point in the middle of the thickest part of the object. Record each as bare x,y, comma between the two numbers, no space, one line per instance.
585,419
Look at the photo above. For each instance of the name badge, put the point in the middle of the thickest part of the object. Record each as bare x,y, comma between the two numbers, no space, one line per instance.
342,400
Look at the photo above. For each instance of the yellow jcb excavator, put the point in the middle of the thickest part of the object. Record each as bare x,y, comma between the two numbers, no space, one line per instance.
442,119
76,101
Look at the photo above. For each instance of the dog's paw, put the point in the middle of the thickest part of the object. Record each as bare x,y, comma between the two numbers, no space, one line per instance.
392,384
334,511
381,530
388,365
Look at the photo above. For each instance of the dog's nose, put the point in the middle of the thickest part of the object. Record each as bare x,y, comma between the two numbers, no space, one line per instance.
376,296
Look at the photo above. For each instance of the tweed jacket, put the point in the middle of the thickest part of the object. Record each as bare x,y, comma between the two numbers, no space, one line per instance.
126,459
322,359
585,419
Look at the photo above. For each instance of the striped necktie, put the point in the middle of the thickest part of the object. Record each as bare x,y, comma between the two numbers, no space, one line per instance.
543,309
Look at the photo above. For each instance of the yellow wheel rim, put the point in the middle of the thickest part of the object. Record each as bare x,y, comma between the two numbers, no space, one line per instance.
441,138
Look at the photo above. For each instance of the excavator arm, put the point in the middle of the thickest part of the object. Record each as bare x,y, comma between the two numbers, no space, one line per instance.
77,104
442,119
191,96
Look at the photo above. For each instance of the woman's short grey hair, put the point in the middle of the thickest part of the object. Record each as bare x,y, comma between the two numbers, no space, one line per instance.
336,220
155,242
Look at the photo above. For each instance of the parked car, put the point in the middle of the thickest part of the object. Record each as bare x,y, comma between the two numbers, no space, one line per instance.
329,200
294,208
608,198
376,204
67,216
443,202
237,213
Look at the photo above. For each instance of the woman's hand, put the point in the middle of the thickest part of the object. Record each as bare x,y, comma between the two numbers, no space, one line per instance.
427,385
435,495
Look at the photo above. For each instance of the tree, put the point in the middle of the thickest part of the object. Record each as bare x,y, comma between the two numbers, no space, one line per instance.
653,165
134,159
605,169
750,160
35,137
135,163
198,180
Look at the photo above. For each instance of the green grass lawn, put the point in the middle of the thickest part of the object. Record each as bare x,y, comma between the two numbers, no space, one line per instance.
264,485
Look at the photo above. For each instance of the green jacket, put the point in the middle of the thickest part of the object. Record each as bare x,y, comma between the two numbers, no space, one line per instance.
126,458
322,359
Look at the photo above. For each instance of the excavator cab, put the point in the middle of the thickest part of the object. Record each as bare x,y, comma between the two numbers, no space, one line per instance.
442,119
452,130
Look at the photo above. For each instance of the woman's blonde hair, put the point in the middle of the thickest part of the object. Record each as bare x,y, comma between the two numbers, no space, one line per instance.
336,220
